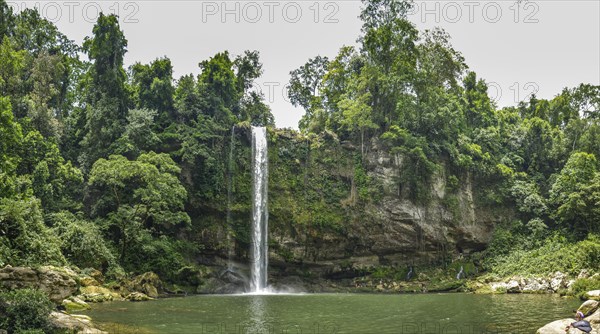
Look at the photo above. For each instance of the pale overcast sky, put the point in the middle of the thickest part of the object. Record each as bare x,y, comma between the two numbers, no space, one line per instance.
538,46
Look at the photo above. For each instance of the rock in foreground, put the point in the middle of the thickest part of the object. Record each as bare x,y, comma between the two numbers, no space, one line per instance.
79,324
58,283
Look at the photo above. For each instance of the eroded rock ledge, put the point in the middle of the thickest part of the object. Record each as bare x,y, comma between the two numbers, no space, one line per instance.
57,283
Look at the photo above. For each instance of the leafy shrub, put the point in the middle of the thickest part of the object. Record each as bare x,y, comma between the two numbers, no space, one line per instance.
583,285
82,242
25,238
25,310
515,236
506,238
382,273
555,254
161,255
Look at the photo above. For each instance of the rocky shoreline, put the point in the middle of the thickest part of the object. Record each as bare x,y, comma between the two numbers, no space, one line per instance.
72,291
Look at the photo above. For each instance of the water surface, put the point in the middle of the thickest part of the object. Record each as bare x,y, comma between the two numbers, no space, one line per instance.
337,313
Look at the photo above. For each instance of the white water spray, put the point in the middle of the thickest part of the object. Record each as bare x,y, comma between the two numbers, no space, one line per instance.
260,215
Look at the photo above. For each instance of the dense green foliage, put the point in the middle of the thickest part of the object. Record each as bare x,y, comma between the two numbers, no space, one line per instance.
25,311
583,285
129,170
102,166
551,255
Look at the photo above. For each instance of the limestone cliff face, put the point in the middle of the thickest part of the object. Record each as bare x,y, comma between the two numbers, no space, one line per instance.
405,228
395,230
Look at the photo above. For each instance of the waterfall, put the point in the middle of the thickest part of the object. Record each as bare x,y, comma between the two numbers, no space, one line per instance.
461,273
260,215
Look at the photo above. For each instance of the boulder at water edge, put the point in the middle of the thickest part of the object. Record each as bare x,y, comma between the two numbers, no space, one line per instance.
98,294
137,297
511,286
148,283
594,294
589,307
79,324
74,304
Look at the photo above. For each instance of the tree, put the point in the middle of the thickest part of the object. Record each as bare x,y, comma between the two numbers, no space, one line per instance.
438,63
107,97
539,146
82,242
217,83
248,68
153,88
586,100
35,34
576,193
389,45
56,182
48,51
378,13
479,112
528,199
583,105
188,102
25,311
355,106
304,87
6,19
346,65
11,137
131,198
418,167
139,135
13,62
46,69
256,111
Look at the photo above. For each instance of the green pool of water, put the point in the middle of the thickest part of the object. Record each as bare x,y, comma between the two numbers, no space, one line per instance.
335,313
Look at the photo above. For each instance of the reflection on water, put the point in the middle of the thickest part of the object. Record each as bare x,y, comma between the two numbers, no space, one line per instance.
256,315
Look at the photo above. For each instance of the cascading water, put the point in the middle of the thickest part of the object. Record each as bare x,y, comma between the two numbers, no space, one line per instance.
260,215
